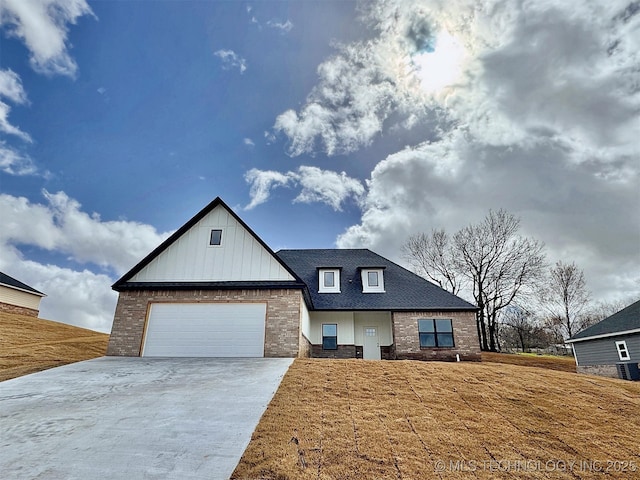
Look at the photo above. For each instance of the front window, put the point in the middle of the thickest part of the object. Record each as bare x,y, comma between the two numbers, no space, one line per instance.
623,352
435,333
329,280
329,336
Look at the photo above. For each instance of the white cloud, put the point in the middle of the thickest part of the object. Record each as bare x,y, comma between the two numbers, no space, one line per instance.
327,187
542,118
42,26
11,87
284,27
348,107
262,182
80,297
15,163
61,226
248,142
7,127
324,186
231,59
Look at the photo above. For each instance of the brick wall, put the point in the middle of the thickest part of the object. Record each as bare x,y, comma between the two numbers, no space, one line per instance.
305,347
343,351
282,330
407,340
15,309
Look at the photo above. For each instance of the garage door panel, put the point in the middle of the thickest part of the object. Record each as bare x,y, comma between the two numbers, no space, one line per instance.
205,330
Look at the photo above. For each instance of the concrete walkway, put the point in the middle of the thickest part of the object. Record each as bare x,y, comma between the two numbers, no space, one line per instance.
134,418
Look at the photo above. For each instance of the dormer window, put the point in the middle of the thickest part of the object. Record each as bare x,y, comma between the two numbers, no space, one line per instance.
372,280
329,280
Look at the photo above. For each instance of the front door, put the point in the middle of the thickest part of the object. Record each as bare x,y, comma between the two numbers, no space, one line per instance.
371,347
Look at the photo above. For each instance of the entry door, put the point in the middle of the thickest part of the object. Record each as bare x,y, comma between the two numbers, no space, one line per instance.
371,347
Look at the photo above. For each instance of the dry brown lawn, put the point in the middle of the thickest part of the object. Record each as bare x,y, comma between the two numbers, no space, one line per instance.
563,364
29,344
355,419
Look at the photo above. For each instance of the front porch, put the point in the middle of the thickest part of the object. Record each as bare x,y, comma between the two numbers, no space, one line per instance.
361,334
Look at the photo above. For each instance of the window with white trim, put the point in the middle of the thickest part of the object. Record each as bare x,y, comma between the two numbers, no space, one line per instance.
623,351
215,239
329,280
372,280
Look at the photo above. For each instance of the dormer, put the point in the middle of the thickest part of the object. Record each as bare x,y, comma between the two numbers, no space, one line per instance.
328,280
372,279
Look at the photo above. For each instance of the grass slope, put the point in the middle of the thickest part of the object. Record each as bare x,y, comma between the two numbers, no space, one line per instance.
563,364
29,344
355,419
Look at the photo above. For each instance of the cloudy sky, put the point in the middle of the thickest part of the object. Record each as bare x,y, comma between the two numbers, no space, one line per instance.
322,124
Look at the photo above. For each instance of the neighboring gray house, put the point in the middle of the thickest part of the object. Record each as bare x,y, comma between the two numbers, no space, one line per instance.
215,289
17,297
610,348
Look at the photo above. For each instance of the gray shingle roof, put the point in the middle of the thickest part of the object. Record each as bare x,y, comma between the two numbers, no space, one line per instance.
404,290
12,282
626,319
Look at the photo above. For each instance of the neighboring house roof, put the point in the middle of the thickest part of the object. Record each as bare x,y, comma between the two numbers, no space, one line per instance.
124,283
404,290
11,282
623,322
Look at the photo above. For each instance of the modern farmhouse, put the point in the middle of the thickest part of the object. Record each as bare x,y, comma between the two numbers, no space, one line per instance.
215,289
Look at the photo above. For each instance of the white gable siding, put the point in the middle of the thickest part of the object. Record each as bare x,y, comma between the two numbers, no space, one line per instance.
19,298
190,258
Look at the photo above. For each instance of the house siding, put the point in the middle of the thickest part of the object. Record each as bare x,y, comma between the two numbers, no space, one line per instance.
13,297
190,258
18,310
603,351
282,327
407,340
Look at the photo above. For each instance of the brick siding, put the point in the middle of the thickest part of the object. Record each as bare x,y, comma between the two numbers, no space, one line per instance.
305,347
343,351
15,309
282,330
407,340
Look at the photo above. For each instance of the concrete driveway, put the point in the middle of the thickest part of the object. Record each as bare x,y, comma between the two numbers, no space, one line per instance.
134,418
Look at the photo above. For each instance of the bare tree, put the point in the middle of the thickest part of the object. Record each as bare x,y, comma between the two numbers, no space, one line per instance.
566,298
522,329
499,265
431,257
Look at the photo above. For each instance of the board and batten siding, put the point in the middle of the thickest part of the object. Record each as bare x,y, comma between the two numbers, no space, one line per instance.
19,298
603,351
240,257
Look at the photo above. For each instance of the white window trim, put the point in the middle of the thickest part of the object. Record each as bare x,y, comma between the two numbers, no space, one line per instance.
210,230
366,288
336,277
621,346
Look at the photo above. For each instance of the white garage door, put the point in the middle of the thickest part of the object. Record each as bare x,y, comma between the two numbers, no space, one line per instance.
205,330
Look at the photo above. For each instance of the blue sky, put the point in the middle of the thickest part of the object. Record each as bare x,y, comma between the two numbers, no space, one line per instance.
321,123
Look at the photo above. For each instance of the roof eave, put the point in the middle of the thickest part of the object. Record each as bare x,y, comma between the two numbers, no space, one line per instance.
228,285
604,335
33,291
